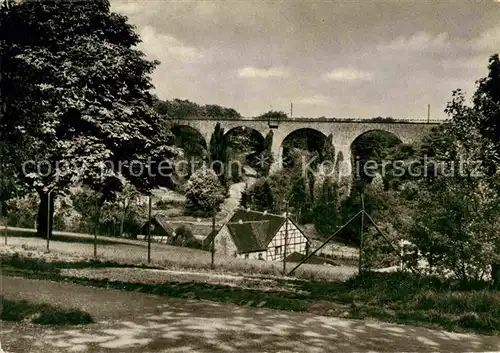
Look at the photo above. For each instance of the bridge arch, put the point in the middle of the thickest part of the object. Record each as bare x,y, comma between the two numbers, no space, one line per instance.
304,138
246,144
243,130
195,148
366,150
183,132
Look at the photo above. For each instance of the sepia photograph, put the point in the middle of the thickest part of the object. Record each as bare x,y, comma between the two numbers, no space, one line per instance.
258,176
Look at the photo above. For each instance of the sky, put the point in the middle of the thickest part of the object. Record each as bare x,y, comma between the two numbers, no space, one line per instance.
329,58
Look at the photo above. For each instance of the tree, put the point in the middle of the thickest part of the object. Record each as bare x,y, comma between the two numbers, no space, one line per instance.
457,229
487,101
184,109
266,159
274,115
22,211
178,108
76,96
204,192
218,152
260,196
125,201
325,209
299,198
327,153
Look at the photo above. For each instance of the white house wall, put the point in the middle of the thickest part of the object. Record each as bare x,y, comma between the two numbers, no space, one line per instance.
256,255
296,242
224,244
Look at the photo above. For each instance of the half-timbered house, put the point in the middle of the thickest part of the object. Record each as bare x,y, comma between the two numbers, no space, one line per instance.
259,235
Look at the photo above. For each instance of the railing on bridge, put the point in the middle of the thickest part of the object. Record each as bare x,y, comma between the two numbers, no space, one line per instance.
276,122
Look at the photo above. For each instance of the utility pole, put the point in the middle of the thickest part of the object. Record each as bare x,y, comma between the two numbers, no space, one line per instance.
212,245
4,217
4,214
48,219
291,110
149,229
428,113
98,219
286,238
360,264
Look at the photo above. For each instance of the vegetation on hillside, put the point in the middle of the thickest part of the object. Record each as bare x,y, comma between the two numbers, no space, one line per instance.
185,109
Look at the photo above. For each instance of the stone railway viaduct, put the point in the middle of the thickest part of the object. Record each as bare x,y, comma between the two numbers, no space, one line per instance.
344,132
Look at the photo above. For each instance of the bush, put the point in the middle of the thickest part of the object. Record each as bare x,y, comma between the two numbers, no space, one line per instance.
22,211
204,192
168,204
184,237
125,216
183,232
42,314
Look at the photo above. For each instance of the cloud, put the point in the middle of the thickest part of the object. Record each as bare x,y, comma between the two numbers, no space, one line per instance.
414,62
126,7
419,41
348,74
489,40
159,46
252,72
314,100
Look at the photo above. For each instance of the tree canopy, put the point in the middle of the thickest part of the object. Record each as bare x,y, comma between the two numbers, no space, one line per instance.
184,108
76,98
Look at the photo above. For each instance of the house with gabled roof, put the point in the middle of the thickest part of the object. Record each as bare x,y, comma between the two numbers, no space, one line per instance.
259,235
161,229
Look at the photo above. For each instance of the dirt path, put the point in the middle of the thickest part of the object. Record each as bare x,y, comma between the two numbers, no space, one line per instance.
134,322
233,201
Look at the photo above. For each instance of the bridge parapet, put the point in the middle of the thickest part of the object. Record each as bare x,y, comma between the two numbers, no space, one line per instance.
317,120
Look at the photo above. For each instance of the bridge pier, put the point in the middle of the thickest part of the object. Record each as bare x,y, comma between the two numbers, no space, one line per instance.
277,153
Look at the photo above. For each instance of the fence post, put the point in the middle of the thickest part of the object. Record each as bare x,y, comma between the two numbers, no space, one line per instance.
5,231
4,217
98,210
48,220
286,238
212,245
360,263
149,229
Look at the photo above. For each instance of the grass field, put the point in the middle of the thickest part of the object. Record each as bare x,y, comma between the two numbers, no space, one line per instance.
134,252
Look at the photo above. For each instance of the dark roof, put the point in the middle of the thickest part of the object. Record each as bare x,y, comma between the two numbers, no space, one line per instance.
252,230
161,226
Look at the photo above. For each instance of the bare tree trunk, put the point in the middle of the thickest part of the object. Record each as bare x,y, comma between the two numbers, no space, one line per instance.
124,213
41,224
495,274
122,221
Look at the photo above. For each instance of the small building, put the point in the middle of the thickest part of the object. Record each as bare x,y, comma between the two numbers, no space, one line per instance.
259,235
161,229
